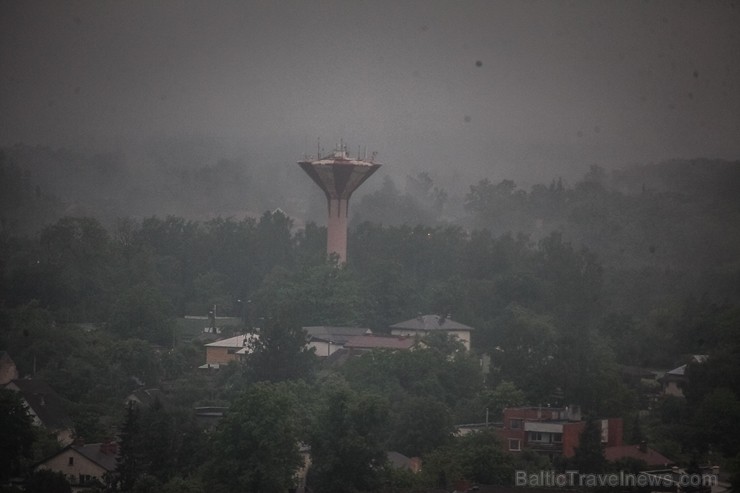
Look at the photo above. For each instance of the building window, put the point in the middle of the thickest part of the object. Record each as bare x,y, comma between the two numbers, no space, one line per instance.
71,461
516,424
514,444
557,437
535,436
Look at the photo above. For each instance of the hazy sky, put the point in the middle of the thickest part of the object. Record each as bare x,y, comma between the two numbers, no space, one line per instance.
519,89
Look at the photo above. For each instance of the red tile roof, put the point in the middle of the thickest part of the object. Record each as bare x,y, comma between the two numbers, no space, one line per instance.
649,456
380,342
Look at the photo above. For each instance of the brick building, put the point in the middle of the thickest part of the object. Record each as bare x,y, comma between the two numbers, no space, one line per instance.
552,431
227,350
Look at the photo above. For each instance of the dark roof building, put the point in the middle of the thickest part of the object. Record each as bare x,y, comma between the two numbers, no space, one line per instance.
144,397
425,324
674,380
337,335
368,342
429,323
45,407
326,340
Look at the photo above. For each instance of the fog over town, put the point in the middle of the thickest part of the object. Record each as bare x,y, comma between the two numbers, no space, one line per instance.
527,91
537,283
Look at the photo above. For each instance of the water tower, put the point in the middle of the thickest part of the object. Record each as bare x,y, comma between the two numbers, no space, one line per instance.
338,175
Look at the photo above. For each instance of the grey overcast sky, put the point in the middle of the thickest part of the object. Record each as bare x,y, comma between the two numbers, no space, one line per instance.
506,89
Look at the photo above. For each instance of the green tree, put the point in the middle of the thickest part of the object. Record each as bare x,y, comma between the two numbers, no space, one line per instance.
255,447
312,295
733,467
160,441
147,483
131,454
133,359
589,455
280,353
425,372
180,485
421,424
46,481
718,418
76,259
500,207
142,312
273,242
16,433
347,442
389,206
527,351
504,395
443,343
475,457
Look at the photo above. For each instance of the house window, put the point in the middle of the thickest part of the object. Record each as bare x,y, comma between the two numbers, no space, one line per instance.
514,444
516,424
557,437
71,461
232,350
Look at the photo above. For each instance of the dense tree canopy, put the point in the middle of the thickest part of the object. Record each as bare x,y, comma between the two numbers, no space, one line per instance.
256,447
567,287
347,442
16,433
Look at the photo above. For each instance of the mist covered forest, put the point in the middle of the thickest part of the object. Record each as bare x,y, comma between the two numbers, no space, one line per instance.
566,283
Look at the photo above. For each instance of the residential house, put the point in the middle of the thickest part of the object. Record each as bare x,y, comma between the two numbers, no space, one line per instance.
45,407
225,351
326,340
425,324
552,431
8,371
399,461
635,376
144,398
192,327
674,380
85,466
